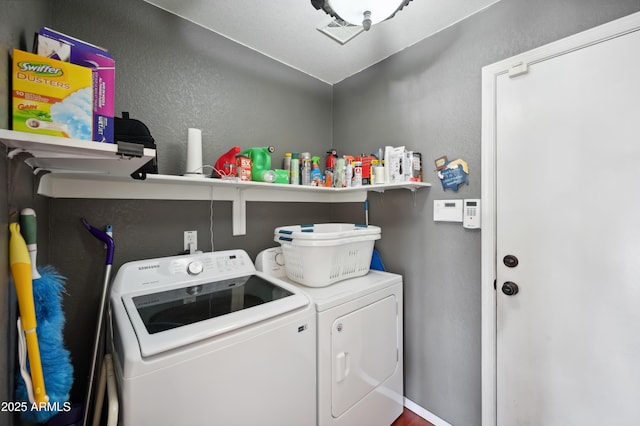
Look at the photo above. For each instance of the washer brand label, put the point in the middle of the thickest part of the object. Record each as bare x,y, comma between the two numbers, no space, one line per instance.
149,267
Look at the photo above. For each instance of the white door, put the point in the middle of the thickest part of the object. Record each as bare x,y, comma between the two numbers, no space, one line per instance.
568,209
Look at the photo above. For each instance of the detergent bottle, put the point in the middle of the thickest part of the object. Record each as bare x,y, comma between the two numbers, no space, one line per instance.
316,174
261,163
225,166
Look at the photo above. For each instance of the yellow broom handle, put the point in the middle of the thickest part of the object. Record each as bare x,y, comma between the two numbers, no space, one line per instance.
37,376
21,271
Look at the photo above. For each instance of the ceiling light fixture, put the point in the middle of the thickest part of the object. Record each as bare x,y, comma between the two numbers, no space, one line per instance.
361,12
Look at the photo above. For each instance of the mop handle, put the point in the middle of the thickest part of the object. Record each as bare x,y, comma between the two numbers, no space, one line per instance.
104,237
21,271
366,212
108,240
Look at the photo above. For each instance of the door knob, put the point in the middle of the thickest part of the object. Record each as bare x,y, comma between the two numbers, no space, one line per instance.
510,261
510,288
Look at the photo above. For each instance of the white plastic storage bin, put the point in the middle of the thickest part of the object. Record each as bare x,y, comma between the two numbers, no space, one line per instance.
322,254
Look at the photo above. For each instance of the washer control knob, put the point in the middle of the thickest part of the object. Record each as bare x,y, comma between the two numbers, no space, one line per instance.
195,267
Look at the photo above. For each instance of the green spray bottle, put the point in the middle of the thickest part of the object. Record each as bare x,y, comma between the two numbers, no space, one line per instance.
316,174
261,163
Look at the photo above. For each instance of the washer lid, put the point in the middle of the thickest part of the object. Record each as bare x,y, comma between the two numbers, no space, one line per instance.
176,317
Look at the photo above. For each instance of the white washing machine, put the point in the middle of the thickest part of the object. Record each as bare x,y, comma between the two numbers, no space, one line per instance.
206,339
360,345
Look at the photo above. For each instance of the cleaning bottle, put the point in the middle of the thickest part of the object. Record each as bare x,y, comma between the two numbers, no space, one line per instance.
374,171
348,174
338,173
295,169
286,164
357,173
225,166
305,169
316,174
332,156
367,169
260,163
328,178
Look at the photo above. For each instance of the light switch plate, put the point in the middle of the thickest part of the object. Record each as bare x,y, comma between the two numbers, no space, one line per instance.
447,210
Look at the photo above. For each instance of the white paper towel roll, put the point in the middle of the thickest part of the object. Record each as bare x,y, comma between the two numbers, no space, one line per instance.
194,153
379,174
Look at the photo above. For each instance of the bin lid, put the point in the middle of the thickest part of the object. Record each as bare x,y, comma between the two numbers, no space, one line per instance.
327,231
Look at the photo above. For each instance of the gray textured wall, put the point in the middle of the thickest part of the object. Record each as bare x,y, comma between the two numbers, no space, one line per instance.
173,75
428,97
18,20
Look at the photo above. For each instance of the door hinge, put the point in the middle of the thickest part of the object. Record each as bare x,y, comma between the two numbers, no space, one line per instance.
518,69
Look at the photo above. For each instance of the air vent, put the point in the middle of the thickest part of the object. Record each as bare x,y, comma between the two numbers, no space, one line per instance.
340,31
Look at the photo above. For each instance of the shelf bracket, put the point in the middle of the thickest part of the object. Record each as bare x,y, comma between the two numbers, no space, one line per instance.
239,213
16,151
130,149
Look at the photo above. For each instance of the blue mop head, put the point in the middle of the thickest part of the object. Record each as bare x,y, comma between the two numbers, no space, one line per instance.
56,362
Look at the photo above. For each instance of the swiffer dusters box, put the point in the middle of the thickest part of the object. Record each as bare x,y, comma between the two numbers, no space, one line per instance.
60,46
51,97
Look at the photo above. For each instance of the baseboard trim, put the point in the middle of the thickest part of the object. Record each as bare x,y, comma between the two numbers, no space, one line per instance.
425,414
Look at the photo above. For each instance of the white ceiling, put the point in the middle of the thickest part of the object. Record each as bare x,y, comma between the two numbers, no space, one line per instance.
285,30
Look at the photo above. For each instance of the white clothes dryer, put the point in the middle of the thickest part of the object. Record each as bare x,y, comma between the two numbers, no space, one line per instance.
206,339
359,343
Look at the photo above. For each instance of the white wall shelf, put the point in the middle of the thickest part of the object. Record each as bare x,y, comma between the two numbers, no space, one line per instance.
58,154
93,170
165,187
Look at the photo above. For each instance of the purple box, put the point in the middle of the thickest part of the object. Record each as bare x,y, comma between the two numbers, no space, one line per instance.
60,46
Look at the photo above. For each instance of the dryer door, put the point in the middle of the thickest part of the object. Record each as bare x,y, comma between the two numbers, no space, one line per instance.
364,349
